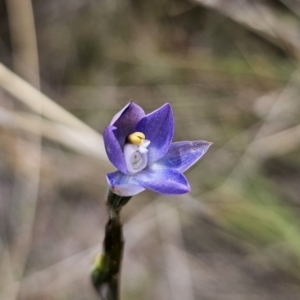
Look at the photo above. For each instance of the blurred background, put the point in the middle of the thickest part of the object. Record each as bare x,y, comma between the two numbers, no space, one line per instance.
229,68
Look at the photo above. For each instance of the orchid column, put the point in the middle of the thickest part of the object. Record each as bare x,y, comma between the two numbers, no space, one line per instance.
140,147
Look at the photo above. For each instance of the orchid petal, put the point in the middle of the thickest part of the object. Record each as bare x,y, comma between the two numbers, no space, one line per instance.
123,185
158,128
163,181
113,149
125,121
183,155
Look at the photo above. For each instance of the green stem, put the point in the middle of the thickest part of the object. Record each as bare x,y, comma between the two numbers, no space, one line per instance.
106,271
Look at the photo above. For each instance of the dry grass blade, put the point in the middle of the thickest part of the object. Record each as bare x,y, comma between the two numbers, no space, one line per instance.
24,42
270,145
177,268
30,96
293,5
77,140
65,121
260,19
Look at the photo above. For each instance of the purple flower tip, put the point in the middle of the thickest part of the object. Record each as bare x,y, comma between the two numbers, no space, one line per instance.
140,147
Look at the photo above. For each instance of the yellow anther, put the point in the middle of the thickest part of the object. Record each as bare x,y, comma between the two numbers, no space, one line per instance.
136,138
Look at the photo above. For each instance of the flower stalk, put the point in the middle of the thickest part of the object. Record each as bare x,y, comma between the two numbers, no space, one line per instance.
106,270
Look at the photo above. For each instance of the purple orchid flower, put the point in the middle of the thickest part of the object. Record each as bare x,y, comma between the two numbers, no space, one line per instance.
140,147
